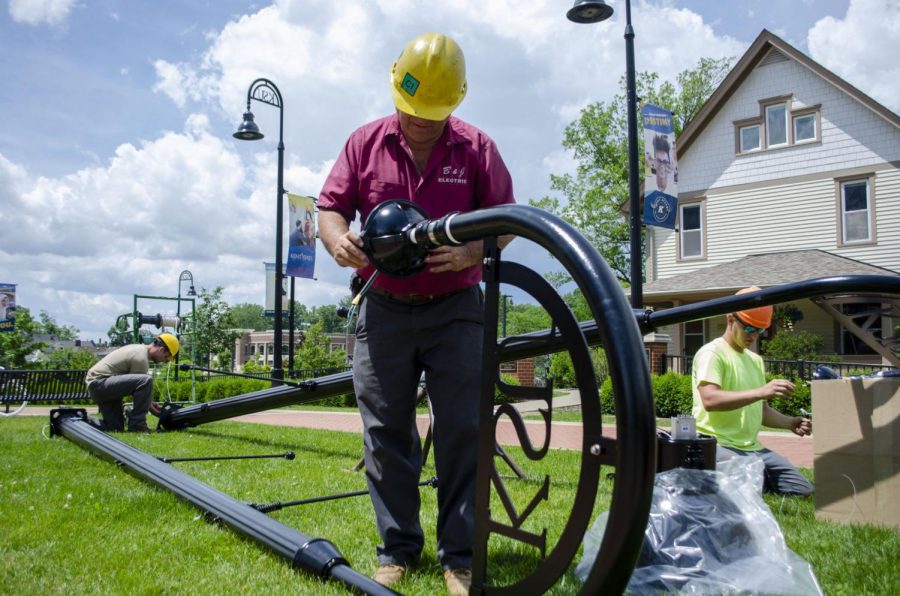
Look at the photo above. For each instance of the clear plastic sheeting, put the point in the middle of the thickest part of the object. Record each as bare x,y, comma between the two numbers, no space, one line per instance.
710,532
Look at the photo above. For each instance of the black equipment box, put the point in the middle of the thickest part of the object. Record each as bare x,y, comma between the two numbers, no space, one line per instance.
699,453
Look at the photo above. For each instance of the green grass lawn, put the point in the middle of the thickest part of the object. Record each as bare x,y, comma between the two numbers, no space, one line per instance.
76,524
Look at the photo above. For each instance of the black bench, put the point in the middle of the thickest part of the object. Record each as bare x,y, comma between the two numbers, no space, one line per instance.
18,387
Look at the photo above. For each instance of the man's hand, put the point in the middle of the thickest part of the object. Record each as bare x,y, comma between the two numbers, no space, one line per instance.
801,426
347,250
777,388
455,258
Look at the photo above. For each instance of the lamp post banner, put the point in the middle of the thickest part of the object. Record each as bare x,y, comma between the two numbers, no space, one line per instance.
660,168
301,261
7,307
270,290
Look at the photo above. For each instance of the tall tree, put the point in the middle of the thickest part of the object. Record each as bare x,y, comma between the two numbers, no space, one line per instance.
315,351
590,198
16,345
49,326
249,316
213,326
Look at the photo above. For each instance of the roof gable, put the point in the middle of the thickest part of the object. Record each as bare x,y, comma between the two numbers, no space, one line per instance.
768,47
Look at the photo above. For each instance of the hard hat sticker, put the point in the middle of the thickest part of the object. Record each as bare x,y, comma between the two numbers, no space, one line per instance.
410,84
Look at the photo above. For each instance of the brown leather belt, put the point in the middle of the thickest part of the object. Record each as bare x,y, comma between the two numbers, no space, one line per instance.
413,299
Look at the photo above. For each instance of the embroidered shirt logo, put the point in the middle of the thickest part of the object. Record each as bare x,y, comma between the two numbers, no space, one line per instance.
451,175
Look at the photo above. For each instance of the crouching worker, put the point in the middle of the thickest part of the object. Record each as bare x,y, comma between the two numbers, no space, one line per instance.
731,399
124,372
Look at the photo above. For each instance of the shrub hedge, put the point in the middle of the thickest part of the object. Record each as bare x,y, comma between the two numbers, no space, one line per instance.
672,396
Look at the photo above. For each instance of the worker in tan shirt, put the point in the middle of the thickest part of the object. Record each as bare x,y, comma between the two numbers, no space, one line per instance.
124,372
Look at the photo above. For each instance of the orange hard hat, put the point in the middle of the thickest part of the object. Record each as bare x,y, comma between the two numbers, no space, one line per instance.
761,316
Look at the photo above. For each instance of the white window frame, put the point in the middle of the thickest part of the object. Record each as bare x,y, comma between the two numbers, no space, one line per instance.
795,118
701,231
787,135
792,116
869,211
748,149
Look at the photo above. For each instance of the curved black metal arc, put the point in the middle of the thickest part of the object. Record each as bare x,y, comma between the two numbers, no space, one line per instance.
616,325
323,559
253,92
557,562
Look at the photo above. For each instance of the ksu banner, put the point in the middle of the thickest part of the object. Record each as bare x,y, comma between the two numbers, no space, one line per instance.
301,260
7,307
660,168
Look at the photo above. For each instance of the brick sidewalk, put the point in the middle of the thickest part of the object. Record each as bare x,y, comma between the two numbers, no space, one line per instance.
564,435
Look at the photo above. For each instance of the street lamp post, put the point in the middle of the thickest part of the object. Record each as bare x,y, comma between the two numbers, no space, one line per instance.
265,91
594,11
182,277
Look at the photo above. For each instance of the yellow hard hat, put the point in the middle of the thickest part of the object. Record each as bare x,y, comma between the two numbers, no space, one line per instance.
428,80
171,343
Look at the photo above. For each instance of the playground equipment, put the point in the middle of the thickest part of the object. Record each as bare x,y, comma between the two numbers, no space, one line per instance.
632,453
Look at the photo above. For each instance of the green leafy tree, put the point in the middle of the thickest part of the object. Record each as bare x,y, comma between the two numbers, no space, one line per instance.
16,345
250,316
328,317
315,351
49,326
599,141
70,359
213,326
118,336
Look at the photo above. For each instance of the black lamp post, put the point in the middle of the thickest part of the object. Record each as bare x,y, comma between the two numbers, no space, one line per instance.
506,298
265,91
594,11
182,277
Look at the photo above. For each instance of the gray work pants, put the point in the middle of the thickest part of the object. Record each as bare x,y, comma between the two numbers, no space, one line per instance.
395,343
108,392
779,476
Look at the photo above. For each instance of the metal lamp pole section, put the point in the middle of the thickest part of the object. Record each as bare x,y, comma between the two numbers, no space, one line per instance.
594,11
265,91
188,277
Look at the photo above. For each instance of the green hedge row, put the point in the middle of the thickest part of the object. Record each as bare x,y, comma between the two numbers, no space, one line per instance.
672,396
180,391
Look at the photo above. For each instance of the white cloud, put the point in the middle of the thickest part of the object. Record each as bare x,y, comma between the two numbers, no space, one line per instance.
37,12
862,48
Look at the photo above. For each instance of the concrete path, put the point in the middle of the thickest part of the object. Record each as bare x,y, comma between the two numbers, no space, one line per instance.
563,435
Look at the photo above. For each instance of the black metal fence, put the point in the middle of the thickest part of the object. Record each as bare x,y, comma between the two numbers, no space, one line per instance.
790,369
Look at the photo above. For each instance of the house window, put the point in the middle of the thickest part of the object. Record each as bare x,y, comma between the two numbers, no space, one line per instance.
691,231
804,128
776,125
749,138
856,217
693,337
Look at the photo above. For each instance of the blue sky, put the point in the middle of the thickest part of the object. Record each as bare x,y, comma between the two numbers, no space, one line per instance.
117,165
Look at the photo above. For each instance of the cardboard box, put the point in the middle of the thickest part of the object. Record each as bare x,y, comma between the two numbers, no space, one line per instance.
856,448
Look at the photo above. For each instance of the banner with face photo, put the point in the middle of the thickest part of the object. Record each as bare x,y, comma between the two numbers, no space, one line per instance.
7,308
301,260
660,168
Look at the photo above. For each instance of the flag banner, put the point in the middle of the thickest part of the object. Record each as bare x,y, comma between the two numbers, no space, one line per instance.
301,261
7,307
660,168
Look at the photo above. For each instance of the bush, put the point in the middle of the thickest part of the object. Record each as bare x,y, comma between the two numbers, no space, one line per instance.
800,400
672,394
499,396
798,345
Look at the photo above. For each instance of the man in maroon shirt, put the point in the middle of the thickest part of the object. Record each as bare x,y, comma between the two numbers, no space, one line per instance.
430,322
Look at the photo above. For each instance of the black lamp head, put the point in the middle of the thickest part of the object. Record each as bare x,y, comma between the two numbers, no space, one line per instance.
589,11
192,291
248,130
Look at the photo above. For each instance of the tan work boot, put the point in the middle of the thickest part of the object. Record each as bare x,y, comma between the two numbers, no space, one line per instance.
458,581
388,574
